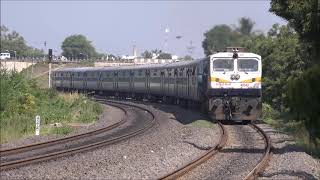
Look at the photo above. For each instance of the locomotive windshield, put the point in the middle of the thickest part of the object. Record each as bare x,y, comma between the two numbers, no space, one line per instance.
247,65
223,65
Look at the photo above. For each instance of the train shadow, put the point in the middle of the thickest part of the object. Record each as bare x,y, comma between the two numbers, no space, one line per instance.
293,174
181,114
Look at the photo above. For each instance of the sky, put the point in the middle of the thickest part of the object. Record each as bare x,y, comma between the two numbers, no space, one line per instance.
116,26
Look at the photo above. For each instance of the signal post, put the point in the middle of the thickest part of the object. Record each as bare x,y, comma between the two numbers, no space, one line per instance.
50,60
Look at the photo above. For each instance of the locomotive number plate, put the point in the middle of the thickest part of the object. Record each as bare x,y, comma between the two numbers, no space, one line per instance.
244,84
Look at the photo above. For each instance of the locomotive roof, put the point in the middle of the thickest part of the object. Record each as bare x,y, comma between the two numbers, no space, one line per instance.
79,69
144,66
230,54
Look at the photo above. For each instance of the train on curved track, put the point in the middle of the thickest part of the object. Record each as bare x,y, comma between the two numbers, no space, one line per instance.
227,85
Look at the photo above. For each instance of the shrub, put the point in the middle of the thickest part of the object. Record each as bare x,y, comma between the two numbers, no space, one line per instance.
22,100
304,100
268,113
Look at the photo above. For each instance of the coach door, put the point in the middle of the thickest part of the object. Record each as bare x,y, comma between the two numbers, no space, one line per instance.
72,80
147,81
176,82
84,80
115,80
99,85
162,82
131,83
189,85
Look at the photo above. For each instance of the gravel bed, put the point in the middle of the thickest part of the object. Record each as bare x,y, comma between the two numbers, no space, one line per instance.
288,161
242,152
110,115
169,145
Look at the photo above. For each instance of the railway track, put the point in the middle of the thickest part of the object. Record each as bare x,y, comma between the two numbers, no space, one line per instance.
203,158
253,174
10,157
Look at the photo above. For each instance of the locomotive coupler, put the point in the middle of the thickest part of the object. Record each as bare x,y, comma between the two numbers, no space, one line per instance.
227,109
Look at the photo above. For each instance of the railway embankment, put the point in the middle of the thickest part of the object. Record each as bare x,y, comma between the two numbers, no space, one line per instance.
22,99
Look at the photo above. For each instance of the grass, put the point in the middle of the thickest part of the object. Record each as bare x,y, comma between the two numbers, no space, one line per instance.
285,123
61,108
202,124
22,99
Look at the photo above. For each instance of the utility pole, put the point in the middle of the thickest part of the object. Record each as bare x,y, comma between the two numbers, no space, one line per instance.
190,48
166,37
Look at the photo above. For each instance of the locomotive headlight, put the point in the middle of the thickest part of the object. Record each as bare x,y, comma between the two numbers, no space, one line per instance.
232,77
237,76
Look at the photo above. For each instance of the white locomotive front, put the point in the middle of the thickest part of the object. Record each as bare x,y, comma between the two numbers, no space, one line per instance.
234,87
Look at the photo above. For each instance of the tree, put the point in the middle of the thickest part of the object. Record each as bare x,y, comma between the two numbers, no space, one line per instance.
218,38
77,46
188,58
304,99
146,54
281,60
245,26
303,91
302,16
15,44
164,56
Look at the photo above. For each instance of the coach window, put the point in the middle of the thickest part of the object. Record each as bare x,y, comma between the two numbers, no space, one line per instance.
155,72
176,72
181,72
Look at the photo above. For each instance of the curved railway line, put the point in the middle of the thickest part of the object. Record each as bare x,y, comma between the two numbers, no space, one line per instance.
15,152
253,174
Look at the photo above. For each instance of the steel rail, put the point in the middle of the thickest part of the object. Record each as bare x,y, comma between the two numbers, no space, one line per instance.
61,140
203,158
254,173
40,158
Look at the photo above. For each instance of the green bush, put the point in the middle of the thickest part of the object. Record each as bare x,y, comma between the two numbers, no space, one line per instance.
268,113
22,99
304,100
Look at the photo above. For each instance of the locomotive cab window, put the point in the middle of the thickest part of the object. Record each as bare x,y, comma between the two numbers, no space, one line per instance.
223,65
247,65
